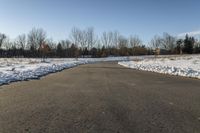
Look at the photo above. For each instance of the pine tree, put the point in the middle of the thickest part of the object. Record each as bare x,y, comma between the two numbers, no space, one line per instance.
59,50
179,47
188,44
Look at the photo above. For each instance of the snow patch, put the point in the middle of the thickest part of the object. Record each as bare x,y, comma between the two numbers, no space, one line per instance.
19,69
187,66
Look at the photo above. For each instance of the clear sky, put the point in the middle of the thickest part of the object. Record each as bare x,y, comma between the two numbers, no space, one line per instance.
144,18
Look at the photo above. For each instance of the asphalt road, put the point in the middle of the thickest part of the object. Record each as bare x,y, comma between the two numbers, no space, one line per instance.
101,98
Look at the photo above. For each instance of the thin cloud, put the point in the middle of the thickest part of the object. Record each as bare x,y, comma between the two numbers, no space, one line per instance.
193,33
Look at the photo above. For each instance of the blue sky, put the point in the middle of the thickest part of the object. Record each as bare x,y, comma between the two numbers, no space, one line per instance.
144,18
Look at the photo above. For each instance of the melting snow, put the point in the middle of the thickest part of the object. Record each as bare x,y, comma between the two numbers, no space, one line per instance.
19,69
186,65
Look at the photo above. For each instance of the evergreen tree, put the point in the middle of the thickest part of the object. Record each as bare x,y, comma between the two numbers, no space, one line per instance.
179,47
188,44
59,50
74,51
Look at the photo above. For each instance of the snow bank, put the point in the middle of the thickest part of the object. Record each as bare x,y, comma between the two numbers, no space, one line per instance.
187,66
19,69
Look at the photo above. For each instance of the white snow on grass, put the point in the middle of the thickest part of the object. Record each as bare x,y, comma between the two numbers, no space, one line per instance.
19,69
185,65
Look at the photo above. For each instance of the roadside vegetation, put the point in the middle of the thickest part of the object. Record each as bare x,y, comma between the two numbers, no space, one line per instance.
85,43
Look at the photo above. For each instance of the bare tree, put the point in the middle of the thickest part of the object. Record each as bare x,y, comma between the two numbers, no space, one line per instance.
51,43
75,35
135,42
83,38
65,44
2,39
123,42
116,36
78,37
123,46
107,39
169,42
21,41
156,42
8,44
91,39
36,38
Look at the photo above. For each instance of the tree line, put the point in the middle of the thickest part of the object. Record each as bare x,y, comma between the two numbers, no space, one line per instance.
171,45
85,43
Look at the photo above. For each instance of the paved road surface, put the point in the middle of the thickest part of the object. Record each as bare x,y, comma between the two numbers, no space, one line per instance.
101,98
